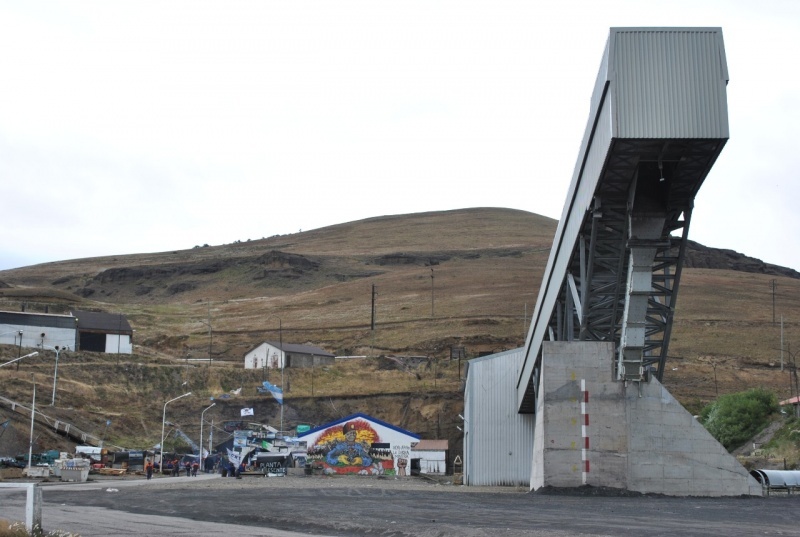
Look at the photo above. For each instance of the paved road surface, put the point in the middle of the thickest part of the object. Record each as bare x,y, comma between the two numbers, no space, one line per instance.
316,505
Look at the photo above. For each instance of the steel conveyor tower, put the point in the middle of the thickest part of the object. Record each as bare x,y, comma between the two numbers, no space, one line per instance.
658,121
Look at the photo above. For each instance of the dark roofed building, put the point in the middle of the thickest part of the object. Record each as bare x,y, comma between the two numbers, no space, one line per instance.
104,332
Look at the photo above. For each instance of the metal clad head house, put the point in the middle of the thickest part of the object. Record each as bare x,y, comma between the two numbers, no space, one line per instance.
658,120
592,364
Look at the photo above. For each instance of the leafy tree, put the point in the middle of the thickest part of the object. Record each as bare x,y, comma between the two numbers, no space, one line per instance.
735,418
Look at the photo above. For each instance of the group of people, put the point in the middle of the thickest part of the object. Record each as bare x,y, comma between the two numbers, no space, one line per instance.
174,468
228,469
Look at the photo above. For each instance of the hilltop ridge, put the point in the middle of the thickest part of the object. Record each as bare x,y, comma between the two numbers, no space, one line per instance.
467,278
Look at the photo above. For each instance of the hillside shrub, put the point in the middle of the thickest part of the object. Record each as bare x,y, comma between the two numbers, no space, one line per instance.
735,418
17,529
785,443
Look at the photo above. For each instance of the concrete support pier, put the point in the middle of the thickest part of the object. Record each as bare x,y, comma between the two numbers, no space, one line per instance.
593,430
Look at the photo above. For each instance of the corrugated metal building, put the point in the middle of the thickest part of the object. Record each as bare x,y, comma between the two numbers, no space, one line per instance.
498,441
658,121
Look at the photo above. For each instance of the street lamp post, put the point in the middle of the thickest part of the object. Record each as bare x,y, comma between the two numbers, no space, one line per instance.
793,372
19,348
431,292
55,372
16,333
210,341
283,359
20,358
30,444
163,422
201,436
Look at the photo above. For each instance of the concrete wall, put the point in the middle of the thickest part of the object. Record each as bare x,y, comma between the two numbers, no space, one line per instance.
592,430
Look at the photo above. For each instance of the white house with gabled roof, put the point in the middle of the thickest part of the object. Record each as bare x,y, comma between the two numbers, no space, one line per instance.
273,355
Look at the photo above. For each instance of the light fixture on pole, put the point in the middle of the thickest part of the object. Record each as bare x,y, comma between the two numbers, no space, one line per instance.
55,372
18,343
19,349
163,422
15,332
201,435
33,414
210,334
283,360
20,358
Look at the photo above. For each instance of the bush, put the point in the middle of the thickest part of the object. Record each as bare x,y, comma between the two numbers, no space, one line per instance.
17,529
785,443
735,418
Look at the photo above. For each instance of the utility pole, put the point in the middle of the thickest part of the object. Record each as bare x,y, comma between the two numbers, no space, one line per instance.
372,321
716,389
210,335
781,342
119,335
525,323
774,285
19,348
432,293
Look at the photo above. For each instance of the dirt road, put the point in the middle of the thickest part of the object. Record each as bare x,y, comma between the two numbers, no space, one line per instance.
317,505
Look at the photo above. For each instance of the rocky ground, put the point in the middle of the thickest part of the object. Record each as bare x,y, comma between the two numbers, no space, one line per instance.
400,507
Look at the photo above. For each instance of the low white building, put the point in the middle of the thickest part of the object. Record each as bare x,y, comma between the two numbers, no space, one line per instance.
38,330
360,444
81,330
272,355
432,456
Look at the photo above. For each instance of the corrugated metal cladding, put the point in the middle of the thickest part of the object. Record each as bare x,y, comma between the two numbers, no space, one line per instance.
498,441
653,83
669,82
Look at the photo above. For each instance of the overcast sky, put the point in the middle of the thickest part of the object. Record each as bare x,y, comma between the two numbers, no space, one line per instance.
132,127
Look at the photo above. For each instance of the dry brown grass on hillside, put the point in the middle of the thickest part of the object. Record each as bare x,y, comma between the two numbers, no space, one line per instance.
487,266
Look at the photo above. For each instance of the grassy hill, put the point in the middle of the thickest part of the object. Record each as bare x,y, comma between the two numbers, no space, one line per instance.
457,278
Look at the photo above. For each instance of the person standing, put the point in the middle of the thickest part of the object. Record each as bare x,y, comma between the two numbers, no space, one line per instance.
148,469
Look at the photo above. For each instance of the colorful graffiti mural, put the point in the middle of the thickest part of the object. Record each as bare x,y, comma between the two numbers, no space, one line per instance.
352,448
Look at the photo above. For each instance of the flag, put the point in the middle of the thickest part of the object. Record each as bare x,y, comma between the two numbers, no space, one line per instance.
266,445
4,425
108,422
247,412
234,457
277,393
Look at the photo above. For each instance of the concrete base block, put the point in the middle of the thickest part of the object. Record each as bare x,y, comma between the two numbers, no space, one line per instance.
593,430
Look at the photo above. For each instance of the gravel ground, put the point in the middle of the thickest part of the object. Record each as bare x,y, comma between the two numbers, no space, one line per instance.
401,507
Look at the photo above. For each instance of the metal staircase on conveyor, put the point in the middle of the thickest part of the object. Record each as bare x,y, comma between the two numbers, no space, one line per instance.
657,123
